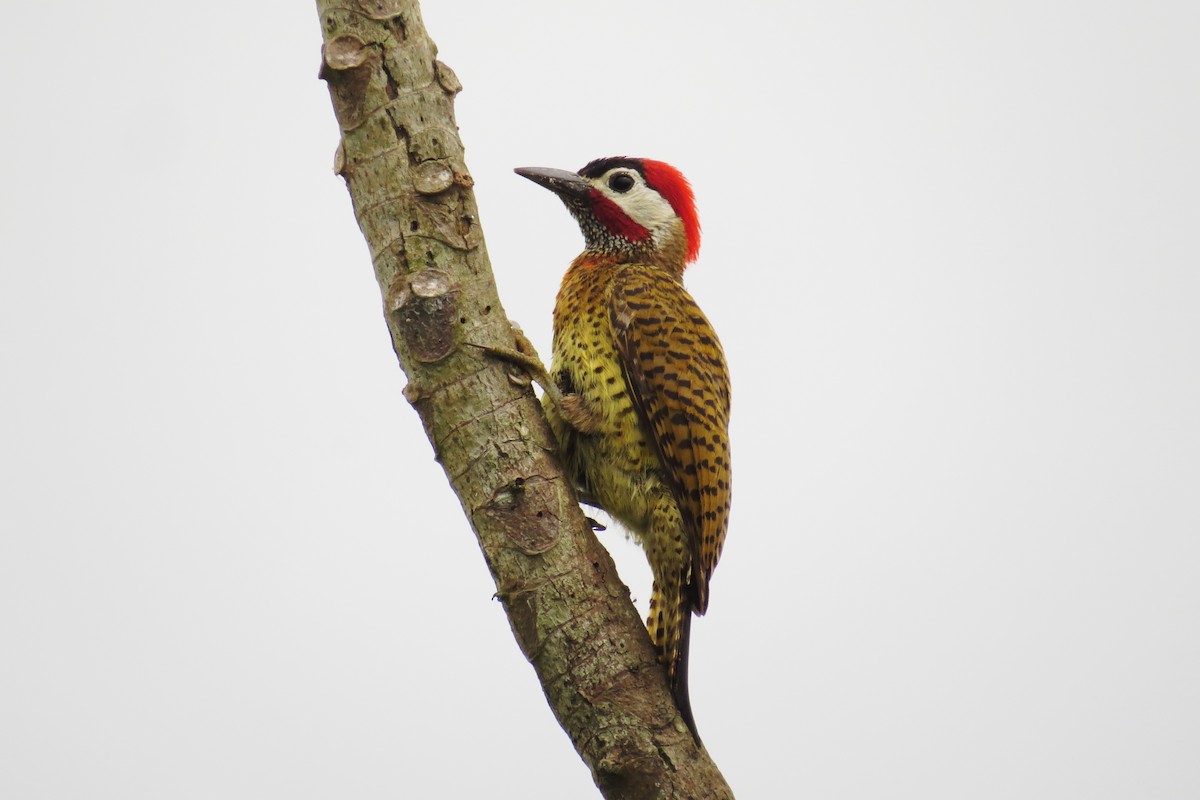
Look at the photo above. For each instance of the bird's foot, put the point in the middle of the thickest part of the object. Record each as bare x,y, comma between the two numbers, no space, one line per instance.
524,356
576,412
573,409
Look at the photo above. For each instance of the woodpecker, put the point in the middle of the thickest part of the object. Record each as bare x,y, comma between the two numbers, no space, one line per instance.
642,408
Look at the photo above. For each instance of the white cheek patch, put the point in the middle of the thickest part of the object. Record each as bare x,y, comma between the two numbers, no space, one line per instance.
643,205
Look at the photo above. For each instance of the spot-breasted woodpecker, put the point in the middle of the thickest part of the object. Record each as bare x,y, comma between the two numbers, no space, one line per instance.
642,412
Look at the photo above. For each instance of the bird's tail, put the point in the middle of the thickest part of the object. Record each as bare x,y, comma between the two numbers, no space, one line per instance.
670,626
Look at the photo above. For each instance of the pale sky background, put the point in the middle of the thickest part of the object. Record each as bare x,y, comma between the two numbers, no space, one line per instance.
952,250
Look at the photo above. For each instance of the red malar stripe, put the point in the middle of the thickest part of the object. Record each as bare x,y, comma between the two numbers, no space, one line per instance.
612,217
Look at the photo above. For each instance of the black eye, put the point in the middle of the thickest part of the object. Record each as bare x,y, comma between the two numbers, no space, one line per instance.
621,182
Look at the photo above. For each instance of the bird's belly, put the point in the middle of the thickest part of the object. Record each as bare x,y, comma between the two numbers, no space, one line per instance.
622,477
617,465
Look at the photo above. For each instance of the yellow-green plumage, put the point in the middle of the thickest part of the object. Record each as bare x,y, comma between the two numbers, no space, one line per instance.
650,375
641,401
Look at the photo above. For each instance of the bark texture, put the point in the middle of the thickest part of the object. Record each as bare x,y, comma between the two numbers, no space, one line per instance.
570,613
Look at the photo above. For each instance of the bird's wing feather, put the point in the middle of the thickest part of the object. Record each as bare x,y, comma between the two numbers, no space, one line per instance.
675,370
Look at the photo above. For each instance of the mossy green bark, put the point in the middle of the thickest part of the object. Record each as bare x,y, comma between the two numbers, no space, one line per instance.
403,164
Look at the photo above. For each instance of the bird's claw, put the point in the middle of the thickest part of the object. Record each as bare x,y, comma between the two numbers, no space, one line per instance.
577,413
523,355
573,409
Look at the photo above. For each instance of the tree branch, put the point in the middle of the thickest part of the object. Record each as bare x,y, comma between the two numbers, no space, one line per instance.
403,164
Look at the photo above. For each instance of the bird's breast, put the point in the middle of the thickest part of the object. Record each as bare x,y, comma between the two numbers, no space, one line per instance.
615,463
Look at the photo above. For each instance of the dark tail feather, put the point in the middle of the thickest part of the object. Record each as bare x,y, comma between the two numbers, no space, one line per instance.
670,627
679,676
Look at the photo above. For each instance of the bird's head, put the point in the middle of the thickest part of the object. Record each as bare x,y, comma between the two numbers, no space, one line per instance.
629,208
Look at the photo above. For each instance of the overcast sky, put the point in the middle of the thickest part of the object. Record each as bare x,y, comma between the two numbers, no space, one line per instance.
952,250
